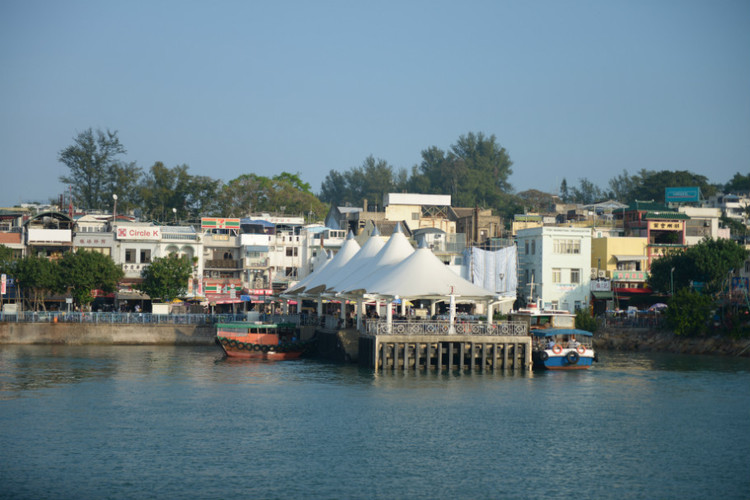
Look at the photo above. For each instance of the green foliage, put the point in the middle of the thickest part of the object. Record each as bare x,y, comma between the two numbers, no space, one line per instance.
6,257
738,183
163,189
370,181
689,312
91,161
710,262
586,193
83,271
282,193
37,277
166,278
584,320
536,201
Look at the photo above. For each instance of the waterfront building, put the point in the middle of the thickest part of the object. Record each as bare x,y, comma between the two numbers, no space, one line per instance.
222,262
733,206
619,269
48,235
664,229
704,222
554,266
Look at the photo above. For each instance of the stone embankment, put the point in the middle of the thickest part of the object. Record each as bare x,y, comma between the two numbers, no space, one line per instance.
108,334
647,340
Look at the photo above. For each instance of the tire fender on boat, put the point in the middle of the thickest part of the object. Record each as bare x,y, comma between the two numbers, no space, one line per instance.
543,356
572,357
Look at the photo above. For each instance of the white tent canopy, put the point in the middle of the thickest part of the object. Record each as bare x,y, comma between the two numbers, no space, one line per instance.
316,282
301,285
362,259
393,252
422,275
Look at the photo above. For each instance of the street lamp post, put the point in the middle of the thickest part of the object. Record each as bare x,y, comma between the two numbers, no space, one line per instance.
174,211
114,210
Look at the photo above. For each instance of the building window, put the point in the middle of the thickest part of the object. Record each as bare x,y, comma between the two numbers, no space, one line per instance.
556,275
130,255
567,246
415,216
291,251
533,247
145,256
575,275
527,248
577,305
290,272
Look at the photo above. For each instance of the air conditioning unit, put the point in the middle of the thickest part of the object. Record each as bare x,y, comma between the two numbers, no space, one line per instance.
594,273
602,274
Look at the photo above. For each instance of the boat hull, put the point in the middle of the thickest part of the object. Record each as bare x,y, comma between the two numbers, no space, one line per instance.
567,359
235,348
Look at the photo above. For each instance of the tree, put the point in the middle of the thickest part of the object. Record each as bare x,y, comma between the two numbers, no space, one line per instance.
90,161
738,183
709,262
652,185
166,278
689,312
586,193
123,181
37,277
564,193
537,201
474,172
6,257
83,271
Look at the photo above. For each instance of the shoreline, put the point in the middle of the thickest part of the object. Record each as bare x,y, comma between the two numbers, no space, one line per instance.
614,339
647,340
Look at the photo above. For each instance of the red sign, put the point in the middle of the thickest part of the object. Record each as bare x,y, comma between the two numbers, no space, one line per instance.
138,233
3,284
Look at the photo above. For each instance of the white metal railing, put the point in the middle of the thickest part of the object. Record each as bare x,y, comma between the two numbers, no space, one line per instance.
505,328
120,318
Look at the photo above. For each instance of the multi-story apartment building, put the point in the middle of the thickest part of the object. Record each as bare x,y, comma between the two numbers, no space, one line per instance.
554,266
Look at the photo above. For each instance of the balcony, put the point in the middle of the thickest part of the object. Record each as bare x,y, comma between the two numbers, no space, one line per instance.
222,264
261,262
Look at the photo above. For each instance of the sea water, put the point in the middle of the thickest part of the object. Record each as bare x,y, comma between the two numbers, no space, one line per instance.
81,422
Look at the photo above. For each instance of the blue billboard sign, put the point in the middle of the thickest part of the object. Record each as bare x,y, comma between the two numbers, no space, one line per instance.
681,194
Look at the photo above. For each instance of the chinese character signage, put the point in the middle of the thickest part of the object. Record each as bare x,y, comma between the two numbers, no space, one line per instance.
638,276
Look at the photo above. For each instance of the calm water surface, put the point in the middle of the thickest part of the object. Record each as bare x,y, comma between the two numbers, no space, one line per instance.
182,422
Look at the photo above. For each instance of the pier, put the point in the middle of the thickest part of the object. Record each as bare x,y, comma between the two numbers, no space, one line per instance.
435,345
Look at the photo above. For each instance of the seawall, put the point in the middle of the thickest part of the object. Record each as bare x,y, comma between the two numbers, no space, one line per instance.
647,340
92,333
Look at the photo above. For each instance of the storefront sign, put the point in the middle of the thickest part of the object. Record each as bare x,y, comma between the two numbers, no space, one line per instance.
3,284
138,233
637,276
219,223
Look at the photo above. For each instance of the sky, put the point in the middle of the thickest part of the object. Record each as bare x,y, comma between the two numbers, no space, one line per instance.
571,89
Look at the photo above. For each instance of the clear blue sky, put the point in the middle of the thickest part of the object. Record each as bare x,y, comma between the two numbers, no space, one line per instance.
572,89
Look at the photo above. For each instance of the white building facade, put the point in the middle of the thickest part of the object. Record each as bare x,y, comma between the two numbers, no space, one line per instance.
555,266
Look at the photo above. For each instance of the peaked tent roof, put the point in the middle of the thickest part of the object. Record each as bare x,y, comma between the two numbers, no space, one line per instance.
422,275
318,282
365,255
302,284
393,252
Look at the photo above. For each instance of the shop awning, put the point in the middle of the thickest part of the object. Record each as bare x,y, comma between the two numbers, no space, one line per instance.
629,258
603,295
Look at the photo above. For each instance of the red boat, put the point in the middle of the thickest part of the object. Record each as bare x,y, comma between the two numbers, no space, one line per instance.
260,341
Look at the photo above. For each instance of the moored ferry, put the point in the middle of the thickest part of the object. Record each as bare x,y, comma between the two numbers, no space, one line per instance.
260,341
562,349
